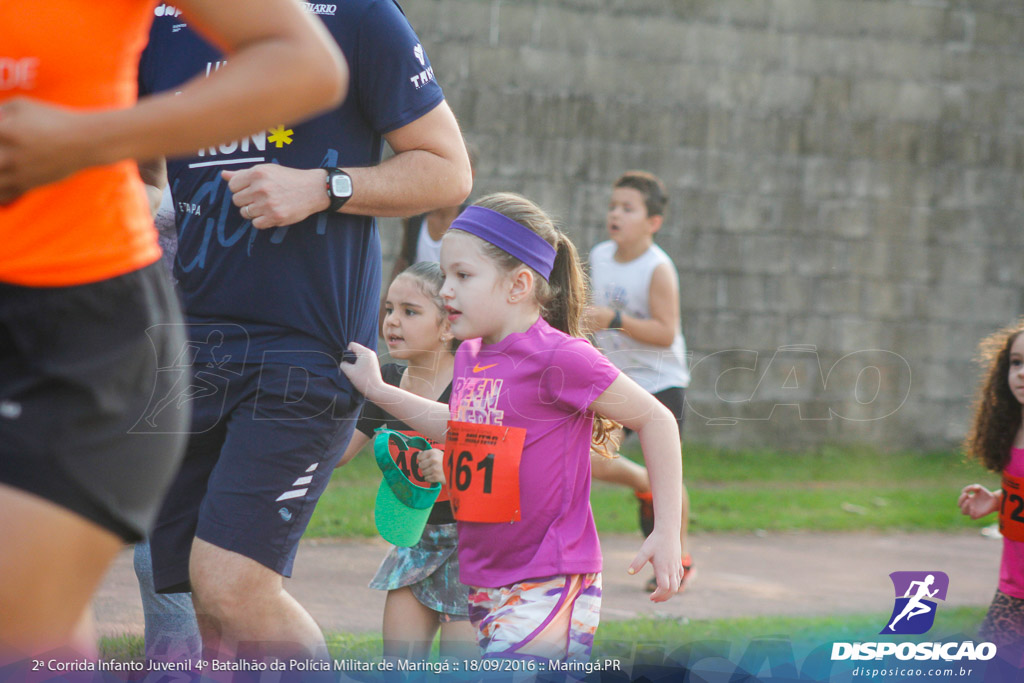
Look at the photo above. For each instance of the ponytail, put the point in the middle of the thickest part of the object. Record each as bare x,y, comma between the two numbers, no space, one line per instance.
562,306
564,303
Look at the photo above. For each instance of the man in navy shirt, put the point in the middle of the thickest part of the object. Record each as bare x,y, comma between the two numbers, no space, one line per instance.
278,266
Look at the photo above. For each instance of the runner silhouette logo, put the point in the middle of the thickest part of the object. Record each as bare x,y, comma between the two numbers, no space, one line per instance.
913,611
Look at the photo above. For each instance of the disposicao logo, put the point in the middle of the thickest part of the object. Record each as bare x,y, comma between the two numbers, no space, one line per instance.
913,612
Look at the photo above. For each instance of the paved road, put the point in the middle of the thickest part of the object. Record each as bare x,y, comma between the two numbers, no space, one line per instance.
800,574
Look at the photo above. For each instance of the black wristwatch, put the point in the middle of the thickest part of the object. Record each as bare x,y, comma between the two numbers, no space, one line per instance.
339,188
616,323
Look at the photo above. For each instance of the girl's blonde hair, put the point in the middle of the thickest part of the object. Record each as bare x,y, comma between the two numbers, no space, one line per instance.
997,413
563,296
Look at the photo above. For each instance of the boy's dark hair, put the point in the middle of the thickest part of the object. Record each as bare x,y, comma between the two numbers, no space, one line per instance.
650,186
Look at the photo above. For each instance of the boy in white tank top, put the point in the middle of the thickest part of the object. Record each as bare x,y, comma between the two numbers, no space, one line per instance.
635,318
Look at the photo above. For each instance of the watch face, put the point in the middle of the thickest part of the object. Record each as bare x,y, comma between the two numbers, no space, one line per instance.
341,186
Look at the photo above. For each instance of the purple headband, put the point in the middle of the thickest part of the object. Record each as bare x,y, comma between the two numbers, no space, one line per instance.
510,236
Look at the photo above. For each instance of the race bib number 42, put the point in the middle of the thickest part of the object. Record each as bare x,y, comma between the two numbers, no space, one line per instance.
1011,510
482,471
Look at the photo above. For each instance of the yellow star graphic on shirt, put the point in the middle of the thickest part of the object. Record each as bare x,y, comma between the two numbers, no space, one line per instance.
280,136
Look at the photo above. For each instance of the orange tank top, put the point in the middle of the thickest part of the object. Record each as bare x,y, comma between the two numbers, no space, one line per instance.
94,224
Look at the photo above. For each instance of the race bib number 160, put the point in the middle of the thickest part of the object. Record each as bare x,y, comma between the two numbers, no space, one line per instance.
482,471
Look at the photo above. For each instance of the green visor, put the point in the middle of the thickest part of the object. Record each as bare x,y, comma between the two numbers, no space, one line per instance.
402,507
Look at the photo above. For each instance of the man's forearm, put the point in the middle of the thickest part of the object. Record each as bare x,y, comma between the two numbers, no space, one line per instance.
407,184
430,170
279,59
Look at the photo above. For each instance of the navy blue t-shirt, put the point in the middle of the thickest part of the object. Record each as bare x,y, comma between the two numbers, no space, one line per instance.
296,294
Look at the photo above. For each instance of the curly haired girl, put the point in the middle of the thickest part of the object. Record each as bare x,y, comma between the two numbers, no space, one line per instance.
996,439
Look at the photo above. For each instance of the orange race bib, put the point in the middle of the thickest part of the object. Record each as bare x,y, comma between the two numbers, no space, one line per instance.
1011,510
408,461
482,469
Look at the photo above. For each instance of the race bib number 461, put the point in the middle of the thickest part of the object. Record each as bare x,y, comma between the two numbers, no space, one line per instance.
482,471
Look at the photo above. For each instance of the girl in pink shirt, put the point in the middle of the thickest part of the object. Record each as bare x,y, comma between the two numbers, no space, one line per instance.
518,431
997,440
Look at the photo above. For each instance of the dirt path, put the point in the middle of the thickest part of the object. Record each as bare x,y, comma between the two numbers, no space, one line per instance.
739,575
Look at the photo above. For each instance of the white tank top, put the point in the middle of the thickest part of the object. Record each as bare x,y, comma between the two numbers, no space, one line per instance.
626,287
427,248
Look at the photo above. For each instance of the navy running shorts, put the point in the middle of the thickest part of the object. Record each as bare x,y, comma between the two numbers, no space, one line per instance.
78,366
265,440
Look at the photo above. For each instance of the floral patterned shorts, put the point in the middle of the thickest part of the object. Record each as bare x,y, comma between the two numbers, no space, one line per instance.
548,618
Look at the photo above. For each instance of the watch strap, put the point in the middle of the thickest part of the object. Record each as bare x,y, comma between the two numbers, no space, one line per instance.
616,323
336,202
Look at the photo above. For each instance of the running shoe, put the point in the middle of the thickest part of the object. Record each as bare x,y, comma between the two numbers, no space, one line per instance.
646,502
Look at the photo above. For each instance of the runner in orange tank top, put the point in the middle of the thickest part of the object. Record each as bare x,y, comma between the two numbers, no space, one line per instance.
94,224
82,307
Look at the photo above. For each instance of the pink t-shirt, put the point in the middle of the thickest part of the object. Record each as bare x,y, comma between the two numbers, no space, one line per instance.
1011,569
542,380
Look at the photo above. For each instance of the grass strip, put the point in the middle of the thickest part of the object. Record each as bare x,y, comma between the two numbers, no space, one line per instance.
834,489
643,638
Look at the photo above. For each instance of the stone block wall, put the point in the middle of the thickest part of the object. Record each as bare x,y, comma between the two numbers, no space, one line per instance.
846,181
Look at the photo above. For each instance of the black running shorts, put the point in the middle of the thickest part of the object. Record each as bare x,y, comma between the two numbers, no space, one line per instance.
78,368
673,398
